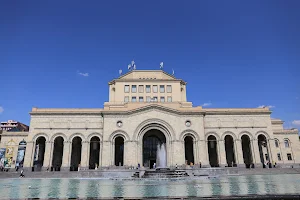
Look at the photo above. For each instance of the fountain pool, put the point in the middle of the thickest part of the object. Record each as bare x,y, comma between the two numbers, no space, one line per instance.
104,188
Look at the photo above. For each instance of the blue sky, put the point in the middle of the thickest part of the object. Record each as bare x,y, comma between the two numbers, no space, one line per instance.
231,53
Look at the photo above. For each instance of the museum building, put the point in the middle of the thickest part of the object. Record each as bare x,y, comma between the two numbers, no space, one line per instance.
148,109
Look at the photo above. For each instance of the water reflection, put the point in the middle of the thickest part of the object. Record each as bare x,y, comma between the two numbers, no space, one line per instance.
97,188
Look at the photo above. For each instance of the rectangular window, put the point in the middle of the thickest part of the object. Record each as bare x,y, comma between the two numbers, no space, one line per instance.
141,88
148,88
279,156
141,99
154,99
169,88
126,88
169,99
162,99
162,89
154,88
133,88
126,99
148,99
289,156
133,99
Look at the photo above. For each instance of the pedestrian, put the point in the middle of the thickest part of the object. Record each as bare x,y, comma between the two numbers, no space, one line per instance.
154,165
22,174
139,165
200,166
176,166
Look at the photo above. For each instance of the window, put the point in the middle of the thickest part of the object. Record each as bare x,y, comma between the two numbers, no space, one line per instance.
141,99
276,143
133,99
169,99
133,88
154,99
162,89
286,143
279,156
154,88
169,88
289,156
162,99
126,99
148,99
126,88
148,88
141,88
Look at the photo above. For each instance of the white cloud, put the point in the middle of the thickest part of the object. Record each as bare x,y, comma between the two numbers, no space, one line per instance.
1,109
263,106
83,74
206,104
296,122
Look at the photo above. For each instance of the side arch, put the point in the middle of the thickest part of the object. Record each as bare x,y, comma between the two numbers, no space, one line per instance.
189,132
94,134
57,135
212,133
117,133
35,137
262,133
245,133
228,133
75,135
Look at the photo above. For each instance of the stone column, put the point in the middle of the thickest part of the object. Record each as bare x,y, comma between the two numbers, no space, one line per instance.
66,155
255,153
84,155
47,155
29,154
195,151
239,153
129,153
106,154
202,146
222,153
178,153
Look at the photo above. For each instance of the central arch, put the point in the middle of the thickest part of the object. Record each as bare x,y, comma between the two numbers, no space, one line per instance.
154,149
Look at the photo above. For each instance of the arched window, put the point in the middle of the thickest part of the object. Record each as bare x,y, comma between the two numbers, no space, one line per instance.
286,143
276,143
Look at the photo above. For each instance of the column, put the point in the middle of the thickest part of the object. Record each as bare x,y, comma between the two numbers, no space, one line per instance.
47,155
222,153
66,155
203,153
195,151
129,153
178,153
239,153
29,154
84,155
255,153
106,154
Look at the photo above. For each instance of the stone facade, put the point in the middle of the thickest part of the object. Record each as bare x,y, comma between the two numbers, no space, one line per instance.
218,136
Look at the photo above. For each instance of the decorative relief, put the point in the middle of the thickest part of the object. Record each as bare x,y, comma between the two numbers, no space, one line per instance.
188,123
119,124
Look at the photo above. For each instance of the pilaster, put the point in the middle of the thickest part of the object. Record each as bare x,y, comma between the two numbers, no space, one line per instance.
239,153
256,155
202,145
66,154
106,154
130,149
222,153
28,160
47,155
178,152
84,155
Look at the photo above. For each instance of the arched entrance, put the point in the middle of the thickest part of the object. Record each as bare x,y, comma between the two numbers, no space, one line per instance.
58,149
229,148
189,150
246,147
212,151
119,151
76,153
94,152
263,149
21,154
39,154
154,149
